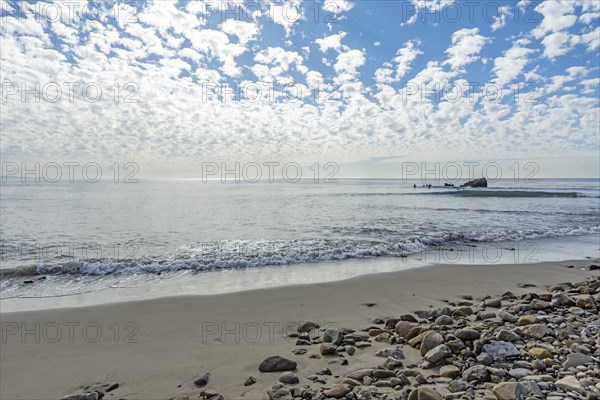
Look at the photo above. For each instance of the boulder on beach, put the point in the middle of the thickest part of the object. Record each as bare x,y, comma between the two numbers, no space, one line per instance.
481,182
276,363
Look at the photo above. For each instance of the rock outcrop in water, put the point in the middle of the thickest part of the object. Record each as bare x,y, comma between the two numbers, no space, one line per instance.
481,182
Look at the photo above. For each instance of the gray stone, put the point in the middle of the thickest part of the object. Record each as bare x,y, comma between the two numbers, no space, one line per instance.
360,374
570,383
289,377
395,352
519,373
333,336
210,394
563,299
383,374
250,381
328,349
430,340
324,371
438,354
407,330
485,359
538,331
392,363
507,336
307,326
202,379
456,345
83,396
509,391
279,392
458,385
467,334
576,359
532,388
338,391
540,304
585,301
476,372
450,371
424,393
495,303
500,349
507,317
444,320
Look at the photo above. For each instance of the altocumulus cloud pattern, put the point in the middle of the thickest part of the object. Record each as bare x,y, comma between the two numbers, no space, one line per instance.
174,81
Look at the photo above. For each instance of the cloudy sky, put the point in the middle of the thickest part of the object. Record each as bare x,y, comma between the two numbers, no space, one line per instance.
365,84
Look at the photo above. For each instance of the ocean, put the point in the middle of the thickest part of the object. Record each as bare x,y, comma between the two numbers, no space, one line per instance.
65,238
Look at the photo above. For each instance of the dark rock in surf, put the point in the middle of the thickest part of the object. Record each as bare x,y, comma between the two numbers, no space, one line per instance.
481,182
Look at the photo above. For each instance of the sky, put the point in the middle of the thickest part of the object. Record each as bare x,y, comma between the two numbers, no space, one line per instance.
370,86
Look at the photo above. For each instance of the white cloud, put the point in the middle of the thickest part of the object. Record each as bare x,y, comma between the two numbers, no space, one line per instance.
558,44
245,31
587,18
500,20
349,61
384,75
512,63
207,75
466,45
280,61
425,7
164,15
403,61
405,57
590,86
331,42
557,16
337,6
592,39
286,15
314,79
214,43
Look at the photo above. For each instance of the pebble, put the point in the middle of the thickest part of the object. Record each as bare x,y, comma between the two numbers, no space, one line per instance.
438,354
327,349
289,378
250,381
307,326
202,379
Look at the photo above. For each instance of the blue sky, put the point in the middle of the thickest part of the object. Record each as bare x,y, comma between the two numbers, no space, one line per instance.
365,84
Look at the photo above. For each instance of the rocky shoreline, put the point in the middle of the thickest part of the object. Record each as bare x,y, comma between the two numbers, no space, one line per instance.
543,344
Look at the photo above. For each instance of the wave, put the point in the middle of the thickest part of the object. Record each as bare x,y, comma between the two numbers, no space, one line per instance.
233,254
510,193
474,192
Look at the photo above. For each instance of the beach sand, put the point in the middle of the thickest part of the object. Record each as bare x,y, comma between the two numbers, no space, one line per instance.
155,348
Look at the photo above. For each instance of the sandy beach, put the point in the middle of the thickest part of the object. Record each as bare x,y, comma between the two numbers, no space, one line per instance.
154,349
